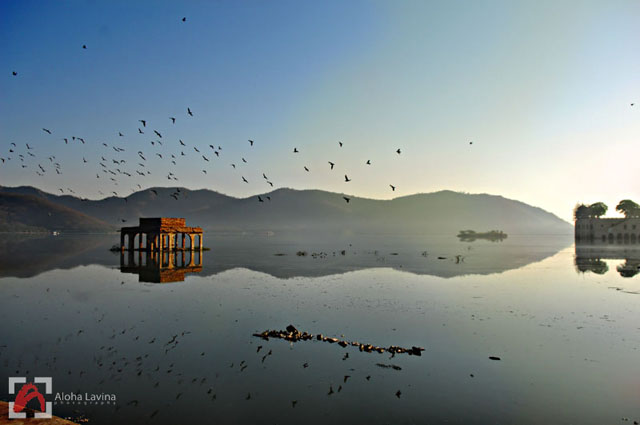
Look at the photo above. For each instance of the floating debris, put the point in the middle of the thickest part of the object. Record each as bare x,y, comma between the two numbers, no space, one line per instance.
294,335
389,366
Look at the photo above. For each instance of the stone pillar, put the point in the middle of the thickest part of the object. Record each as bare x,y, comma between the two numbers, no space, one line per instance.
183,240
200,241
171,238
132,237
191,241
140,241
121,240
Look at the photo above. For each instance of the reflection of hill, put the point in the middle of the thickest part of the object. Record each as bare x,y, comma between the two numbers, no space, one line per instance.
277,257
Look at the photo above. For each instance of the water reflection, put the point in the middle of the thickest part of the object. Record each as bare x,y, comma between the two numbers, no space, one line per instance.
284,257
161,267
591,258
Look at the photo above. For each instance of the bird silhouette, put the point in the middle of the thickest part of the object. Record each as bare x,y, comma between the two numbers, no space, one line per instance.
260,200
184,19
295,150
84,46
46,131
398,151
332,164
346,199
15,73
144,122
306,169
244,180
159,135
368,162
181,142
346,179
251,142
173,120
393,188
189,112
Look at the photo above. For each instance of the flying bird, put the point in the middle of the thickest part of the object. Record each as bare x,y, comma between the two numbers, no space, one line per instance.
251,142
244,180
340,143
346,199
15,73
189,112
173,120
398,151
332,164
393,188
144,122
159,135
184,19
46,131
368,162
346,179
295,150
84,46
182,143
306,169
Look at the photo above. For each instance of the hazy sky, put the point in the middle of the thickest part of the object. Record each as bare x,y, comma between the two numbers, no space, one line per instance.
542,89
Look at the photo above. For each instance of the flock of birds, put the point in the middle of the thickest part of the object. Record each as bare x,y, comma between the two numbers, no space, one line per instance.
119,165
116,167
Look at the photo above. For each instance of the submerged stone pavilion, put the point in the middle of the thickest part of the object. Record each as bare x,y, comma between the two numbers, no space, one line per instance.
161,234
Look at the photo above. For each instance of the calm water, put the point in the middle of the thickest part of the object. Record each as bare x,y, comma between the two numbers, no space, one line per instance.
564,321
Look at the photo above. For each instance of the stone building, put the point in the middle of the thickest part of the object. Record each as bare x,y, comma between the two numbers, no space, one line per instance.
161,234
608,230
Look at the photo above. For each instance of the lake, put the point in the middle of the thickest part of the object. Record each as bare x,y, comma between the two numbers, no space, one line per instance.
564,322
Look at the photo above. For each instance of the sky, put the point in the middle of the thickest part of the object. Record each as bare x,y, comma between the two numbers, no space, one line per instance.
542,89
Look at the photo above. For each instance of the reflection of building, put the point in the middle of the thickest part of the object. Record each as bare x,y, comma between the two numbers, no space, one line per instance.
608,230
161,266
590,258
161,235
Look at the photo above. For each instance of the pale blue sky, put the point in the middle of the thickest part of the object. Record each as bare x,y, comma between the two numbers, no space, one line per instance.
543,89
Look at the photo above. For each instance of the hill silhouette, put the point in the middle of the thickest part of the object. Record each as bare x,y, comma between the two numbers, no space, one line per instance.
31,213
443,212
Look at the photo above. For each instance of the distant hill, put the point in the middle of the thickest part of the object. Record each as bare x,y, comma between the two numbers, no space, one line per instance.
444,212
31,213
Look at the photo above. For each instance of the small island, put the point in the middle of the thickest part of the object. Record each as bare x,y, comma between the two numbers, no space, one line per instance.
492,235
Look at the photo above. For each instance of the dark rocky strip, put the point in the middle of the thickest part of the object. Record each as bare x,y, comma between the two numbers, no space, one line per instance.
294,335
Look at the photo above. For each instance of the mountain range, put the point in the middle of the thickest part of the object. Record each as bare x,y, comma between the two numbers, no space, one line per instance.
26,208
